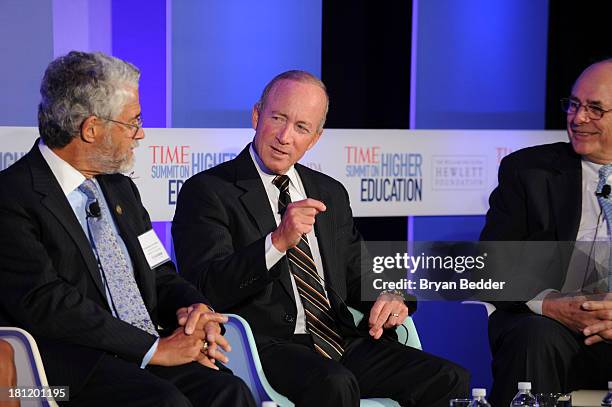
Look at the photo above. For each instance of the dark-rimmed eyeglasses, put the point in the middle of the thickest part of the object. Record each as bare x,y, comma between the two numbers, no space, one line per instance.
572,106
135,127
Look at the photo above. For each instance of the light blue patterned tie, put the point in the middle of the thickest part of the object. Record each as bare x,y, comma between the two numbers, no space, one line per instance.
606,206
120,279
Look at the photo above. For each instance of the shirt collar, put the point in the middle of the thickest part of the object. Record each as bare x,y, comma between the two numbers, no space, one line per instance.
266,175
68,177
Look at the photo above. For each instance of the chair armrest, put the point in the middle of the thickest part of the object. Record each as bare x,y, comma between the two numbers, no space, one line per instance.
244,361
30,369
406,333
490,308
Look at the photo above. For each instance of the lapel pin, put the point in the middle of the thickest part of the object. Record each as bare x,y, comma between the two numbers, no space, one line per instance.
119,209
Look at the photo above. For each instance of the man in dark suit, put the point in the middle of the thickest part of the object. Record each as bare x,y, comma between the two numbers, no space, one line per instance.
73,270
275,242
557,339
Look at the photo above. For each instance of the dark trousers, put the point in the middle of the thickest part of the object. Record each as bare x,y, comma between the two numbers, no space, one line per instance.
530,347
368,369
119,383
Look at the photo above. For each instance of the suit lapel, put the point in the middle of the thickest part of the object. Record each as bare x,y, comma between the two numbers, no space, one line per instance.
565,191
324,226
53,198
255,203
119,210
254,198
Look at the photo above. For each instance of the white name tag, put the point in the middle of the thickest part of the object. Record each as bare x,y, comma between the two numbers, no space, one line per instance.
153,249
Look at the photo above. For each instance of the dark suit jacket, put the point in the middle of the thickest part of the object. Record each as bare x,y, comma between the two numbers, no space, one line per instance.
51,285
221,221
539,198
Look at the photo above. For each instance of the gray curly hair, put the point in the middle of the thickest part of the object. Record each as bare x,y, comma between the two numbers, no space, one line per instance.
77,86
298,76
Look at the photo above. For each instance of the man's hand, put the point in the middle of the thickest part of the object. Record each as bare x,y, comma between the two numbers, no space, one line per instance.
179,349
586,314
602,330
388,311
567,310
298,220
200,318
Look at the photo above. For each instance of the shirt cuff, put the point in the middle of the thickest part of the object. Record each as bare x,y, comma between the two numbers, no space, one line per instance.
535,304
149,355
273,255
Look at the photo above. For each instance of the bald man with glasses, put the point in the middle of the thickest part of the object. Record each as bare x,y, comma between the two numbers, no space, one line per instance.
560,340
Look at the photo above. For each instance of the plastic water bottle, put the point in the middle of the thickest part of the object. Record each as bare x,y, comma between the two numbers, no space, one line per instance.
607,401
524,396
478,398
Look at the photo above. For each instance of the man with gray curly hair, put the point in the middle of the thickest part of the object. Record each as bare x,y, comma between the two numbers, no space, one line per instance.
81,86
112,324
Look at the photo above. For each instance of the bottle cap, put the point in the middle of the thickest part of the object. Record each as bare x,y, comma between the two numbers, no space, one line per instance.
479,392
524,385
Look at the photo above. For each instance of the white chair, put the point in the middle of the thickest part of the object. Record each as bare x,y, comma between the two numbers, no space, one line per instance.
488,306
30,370
244,360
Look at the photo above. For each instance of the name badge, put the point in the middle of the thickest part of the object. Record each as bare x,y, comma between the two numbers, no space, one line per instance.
153,249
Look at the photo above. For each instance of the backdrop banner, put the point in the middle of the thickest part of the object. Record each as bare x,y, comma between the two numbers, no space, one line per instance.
386,172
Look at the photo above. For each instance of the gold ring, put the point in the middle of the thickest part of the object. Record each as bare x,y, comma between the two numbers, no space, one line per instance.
204,348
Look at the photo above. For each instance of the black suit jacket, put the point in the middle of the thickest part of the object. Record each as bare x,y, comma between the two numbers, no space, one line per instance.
539,198
221,221
51,285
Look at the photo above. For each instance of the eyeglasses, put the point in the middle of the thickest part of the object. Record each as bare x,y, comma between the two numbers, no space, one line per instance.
136,127
572,106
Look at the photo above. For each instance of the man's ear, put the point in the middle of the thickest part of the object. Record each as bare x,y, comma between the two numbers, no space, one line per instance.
314,140
89,129
255,117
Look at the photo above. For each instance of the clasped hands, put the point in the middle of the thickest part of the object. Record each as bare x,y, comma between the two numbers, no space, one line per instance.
589,314
197,339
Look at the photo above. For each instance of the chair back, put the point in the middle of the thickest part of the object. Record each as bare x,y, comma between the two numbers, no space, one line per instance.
28,363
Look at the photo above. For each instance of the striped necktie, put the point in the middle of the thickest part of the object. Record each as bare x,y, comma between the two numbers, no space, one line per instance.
606,206
319,315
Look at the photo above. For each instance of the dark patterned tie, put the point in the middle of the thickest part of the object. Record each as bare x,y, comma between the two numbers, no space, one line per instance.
319,316
606,206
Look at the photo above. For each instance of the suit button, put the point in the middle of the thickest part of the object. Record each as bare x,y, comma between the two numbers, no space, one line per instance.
289,318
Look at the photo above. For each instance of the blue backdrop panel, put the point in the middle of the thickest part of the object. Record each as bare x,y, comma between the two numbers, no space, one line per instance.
26,46
449,329
481,64
224,52
139,36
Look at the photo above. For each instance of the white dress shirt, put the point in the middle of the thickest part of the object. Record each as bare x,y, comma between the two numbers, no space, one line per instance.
593,227
272,254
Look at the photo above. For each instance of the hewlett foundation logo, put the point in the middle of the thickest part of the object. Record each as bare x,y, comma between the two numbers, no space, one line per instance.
459,172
